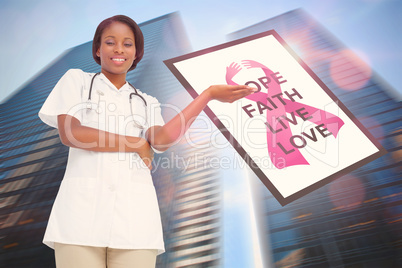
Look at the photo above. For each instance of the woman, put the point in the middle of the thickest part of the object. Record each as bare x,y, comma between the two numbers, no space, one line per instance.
106,212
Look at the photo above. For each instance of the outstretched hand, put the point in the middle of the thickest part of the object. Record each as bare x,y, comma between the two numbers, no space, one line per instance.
229,93
163,137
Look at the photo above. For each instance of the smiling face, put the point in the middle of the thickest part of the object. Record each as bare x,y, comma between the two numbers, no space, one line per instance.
117,50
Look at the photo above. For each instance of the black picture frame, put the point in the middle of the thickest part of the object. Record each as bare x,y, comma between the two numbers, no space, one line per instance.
237,146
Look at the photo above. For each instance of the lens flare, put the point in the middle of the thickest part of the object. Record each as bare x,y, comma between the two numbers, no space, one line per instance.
347,193
349,71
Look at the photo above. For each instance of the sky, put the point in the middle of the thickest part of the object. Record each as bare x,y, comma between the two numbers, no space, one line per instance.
36,32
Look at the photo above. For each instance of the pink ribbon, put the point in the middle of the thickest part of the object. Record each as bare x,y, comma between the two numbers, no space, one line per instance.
317,116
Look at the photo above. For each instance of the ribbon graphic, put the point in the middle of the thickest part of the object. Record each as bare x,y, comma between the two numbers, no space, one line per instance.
274,140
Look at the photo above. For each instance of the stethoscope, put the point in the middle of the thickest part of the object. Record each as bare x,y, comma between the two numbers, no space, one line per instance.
135,93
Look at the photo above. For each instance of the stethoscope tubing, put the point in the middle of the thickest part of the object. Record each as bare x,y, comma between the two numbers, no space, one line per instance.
135,93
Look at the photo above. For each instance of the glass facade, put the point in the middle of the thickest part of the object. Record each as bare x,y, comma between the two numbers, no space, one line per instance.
355,220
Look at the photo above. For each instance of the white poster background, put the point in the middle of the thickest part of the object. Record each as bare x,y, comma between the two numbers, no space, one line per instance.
325,157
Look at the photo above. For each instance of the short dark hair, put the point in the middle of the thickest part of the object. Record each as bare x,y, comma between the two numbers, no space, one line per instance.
138,36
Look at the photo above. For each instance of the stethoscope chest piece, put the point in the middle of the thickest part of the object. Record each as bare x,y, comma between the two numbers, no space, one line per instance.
90,105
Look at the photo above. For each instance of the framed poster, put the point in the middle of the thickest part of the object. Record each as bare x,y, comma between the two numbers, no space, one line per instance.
293,132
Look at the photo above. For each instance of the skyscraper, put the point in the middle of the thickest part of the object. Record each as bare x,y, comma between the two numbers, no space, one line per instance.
355,220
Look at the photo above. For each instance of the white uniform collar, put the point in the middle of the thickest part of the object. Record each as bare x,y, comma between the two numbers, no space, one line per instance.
126,86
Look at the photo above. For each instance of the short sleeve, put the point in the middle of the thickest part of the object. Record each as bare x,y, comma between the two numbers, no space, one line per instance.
154,115
65,98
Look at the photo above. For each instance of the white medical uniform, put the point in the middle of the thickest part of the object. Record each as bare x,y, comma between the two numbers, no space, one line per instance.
105,199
